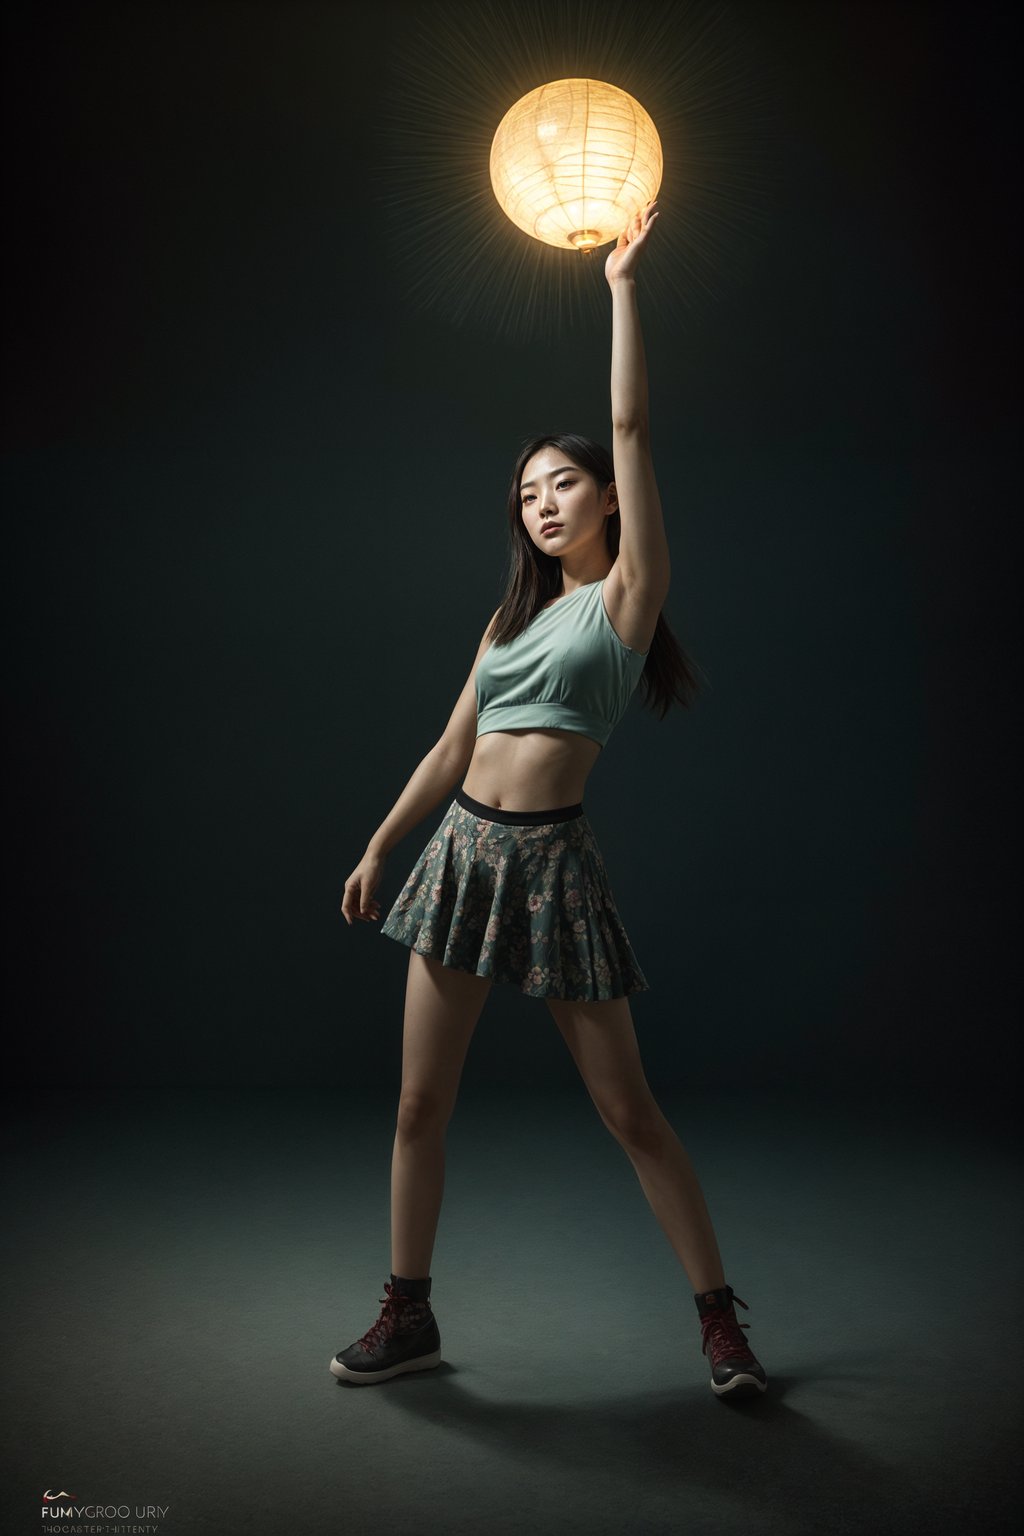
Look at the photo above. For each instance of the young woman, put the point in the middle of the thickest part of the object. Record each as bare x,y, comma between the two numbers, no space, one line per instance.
512,885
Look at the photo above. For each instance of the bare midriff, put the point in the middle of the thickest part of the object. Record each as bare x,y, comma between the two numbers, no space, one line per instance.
530,770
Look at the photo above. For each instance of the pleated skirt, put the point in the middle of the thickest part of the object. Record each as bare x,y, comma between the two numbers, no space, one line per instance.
521,897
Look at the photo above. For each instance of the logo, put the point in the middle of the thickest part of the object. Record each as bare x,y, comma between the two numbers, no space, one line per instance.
60,1508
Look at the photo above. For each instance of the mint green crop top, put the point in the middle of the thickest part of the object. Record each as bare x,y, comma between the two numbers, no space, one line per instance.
567,670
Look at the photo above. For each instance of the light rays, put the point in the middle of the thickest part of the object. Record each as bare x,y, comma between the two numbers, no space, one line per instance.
453,71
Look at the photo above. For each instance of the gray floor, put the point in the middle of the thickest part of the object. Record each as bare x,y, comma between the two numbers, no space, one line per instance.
181,1267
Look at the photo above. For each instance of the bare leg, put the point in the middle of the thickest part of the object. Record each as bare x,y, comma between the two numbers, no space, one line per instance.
441,1010
603,1043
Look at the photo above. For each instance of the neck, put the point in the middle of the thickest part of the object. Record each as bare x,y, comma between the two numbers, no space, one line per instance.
585,568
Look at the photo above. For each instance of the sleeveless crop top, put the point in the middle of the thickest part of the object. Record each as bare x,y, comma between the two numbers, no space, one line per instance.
568,670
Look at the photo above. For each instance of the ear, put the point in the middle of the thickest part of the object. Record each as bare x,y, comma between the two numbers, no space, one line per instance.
611,498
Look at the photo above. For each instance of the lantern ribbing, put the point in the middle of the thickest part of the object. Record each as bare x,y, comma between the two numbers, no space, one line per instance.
572,162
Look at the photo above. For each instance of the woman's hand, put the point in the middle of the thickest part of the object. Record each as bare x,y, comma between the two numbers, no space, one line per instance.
625,258
358,900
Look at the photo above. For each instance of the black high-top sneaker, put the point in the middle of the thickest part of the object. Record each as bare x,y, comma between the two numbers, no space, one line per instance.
735,1368
404,1338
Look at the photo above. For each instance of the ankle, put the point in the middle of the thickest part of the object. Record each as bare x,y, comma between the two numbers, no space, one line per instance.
719,1296
412,1289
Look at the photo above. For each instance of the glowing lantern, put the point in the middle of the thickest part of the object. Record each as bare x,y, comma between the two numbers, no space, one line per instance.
573,161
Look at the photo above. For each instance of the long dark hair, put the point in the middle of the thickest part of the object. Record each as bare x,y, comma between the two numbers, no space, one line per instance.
534,577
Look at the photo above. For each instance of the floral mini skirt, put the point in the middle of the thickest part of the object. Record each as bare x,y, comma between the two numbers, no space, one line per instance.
519,896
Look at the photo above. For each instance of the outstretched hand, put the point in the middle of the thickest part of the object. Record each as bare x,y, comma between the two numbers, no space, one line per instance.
624,259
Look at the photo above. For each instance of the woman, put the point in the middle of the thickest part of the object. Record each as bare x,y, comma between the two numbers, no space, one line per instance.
512,886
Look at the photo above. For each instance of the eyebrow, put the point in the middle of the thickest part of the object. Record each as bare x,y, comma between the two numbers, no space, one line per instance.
570,467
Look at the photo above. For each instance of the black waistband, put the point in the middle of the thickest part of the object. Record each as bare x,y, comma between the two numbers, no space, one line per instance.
517,818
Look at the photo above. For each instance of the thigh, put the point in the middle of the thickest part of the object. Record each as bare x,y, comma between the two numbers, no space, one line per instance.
442,1006
604,1046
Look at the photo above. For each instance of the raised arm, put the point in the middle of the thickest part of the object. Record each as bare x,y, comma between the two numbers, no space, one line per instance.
643,543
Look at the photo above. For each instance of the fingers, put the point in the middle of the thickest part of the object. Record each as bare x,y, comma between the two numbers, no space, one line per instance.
355,908
641,219
369,914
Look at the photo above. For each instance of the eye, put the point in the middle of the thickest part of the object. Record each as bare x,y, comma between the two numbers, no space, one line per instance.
558,487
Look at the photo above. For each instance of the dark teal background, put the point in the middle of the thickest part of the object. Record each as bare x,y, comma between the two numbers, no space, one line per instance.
254,499
254,526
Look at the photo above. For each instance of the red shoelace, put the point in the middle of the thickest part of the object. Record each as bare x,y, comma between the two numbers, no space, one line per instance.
390,1318
722,1335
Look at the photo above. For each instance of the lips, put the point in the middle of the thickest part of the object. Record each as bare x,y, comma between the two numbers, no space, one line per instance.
551,528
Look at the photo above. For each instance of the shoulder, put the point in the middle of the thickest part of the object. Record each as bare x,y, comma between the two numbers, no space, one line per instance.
488,634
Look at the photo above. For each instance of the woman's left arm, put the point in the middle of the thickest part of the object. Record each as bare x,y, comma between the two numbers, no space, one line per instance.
643,543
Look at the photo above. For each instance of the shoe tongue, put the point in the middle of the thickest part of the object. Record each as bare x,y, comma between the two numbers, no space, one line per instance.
718,1298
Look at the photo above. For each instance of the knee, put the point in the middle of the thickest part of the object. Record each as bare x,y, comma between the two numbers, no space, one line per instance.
637,1123
420,1113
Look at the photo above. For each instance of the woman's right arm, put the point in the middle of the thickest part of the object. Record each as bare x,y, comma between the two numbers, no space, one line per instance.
433,780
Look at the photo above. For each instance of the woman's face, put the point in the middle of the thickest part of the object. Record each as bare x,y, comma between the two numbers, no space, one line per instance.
556,495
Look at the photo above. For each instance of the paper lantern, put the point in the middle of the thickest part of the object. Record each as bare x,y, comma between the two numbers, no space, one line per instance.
573,161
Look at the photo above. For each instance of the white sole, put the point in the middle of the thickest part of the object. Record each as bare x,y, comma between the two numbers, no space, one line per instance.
741,1383
420,1363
